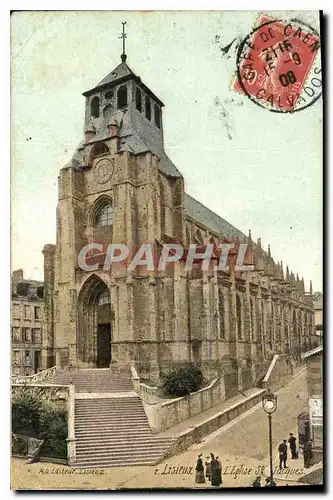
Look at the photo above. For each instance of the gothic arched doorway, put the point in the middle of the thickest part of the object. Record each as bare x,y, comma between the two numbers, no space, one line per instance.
94,330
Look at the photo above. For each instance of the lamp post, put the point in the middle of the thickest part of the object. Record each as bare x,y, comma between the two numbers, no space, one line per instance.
269,403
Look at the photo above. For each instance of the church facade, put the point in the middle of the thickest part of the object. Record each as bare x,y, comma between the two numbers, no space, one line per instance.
121,187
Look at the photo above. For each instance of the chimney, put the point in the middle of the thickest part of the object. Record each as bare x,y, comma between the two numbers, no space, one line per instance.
17,275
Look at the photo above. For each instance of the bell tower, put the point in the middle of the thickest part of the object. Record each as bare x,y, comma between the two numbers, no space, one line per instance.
119,187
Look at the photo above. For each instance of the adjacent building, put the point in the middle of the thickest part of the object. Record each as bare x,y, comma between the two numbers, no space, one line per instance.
314,362
27,304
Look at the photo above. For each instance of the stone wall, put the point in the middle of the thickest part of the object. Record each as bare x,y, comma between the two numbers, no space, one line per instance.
196,434
163,415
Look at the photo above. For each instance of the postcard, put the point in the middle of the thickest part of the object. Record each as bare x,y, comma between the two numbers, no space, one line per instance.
166,283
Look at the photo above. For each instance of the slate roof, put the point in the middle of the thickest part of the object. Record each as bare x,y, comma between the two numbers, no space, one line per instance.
121,71
211,220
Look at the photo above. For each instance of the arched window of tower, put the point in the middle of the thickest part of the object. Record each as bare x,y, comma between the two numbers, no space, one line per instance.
157,116
138,99
148,109
104,216
94,107
122,97
99,149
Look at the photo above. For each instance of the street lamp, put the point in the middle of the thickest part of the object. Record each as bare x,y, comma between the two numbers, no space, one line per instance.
269,403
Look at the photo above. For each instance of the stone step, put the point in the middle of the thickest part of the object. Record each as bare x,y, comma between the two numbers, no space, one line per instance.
95,434
113,455
115,463
98,450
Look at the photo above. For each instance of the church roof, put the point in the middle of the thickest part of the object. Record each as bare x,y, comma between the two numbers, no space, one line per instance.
121,71
210,219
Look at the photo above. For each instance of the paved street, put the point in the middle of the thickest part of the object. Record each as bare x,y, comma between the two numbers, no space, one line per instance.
242,447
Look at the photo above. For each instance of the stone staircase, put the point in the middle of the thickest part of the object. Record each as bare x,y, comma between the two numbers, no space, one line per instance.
93,380
111,426
113,432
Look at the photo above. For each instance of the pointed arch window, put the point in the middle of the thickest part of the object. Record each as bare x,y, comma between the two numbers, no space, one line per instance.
253,319
148,108
104,216
221,314
122,97
94,107
239,316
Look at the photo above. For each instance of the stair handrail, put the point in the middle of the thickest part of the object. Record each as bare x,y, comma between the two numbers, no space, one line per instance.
135,378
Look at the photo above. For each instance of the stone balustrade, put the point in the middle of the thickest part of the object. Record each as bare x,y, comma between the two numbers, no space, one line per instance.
279,372
163,415
35,379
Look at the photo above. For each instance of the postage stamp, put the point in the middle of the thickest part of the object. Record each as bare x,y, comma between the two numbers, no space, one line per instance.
279,65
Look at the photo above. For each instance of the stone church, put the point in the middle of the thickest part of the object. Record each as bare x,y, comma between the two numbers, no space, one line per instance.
120,186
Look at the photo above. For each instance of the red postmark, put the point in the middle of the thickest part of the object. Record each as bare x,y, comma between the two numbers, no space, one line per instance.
279,65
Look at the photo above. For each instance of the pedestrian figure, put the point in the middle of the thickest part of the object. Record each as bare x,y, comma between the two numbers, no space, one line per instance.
219,469
199,471
208,469
307,454
292,443
257,482
283,454
214,470
269,483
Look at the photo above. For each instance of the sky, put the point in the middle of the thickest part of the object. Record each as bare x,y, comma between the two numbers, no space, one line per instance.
258,170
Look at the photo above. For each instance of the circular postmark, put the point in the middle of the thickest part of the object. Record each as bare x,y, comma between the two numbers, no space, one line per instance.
103,170
279,65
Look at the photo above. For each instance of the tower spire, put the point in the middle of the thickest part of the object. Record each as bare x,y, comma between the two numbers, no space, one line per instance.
123,36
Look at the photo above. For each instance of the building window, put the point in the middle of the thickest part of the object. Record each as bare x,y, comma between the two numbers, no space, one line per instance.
104,299
94,107
17,357
239,316
100,149
26,334
157,116
253,318
27,358
138,99
198,238
221,313
37,312
27,312
17,311
104,216
148,109
36,335
122,97
16,333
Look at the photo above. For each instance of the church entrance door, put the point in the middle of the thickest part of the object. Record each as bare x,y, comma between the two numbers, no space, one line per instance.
103,345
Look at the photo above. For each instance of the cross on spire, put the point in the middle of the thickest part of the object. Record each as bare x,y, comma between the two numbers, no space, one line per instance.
123,36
